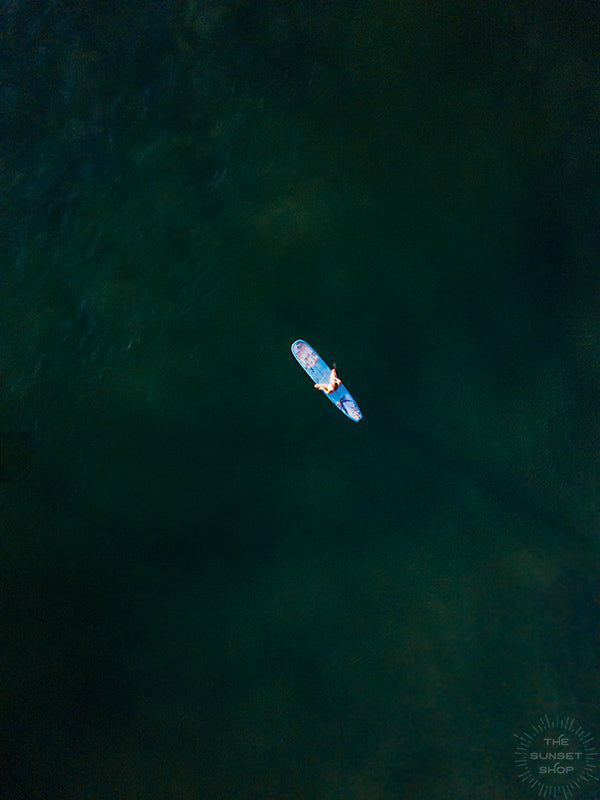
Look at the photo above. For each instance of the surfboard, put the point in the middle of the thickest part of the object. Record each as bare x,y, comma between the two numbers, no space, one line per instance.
319,372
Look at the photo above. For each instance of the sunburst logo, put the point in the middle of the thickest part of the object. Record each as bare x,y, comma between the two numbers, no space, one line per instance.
557,758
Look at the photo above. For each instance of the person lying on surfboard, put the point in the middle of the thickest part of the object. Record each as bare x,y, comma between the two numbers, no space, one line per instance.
333,384
325,379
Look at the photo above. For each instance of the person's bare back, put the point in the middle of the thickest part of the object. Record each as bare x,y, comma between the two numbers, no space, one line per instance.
333,384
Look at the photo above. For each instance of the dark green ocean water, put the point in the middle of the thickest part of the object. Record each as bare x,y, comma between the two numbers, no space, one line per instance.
213,585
